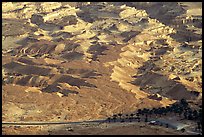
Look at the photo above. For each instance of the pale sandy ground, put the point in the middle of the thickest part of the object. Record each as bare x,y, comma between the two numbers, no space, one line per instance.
193,8
92,129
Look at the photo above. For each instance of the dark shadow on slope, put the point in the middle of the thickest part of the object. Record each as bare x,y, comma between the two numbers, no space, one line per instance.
72,56
27,61
71,46
96,50
129,34
73,81
38,47
55,88
26,69
26,41
167,12
64,35
186,35
84,73
15,27
66,21
160,10
156,83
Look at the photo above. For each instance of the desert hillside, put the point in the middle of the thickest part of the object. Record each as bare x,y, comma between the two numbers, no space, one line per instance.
75,61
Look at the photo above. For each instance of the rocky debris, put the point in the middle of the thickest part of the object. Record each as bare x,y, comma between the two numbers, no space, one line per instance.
49,6
176,78
155,97
11,7
69,129
50,15
84,52
33,89
73,56
37,19
196,93
7,6
60,13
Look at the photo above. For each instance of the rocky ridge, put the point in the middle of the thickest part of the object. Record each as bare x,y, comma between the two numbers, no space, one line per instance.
73,53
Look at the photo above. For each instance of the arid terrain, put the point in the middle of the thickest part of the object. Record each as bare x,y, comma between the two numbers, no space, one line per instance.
80,61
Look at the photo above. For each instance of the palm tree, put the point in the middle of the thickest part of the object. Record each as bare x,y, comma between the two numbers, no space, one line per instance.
185,114
163,109
156,112
199,126
200,114
139,111
153,110
109,119
142,112
176,110
120,115
180,112
130,119
174,107
127,116
167,125
183,102
187,108
161,124
160,111
114,117
167,109
146,118
150,113
145,110
195,114
131,115
171,109
182,130
138,119
137,116
190,116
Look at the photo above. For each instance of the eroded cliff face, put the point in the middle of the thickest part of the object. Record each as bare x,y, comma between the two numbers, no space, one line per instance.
80,61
